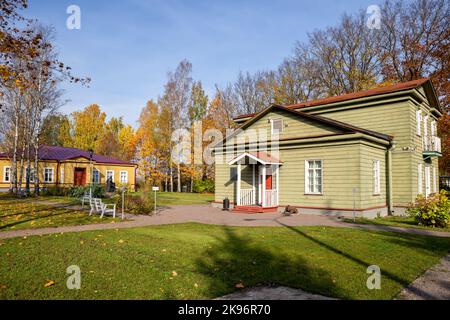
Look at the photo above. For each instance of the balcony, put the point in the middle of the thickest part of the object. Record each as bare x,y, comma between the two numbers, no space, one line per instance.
432,147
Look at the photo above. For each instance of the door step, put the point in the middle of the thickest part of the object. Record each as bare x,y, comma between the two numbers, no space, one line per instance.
254,209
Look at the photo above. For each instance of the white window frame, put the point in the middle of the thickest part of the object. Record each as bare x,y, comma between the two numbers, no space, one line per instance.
420,179
52,170
376,178
433,128
7,168
107,171
272,128
126,176
307,189
434,180
98,175
32,175
419,122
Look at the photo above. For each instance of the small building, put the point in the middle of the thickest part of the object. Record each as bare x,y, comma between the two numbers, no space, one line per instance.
369,152
67,167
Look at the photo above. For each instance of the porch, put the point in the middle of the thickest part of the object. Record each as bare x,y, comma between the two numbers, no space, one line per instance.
257,182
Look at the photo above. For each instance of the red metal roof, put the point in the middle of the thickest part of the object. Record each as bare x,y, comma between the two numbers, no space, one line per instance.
350,96
57,153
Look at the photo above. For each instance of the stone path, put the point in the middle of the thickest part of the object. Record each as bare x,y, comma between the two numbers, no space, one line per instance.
434,284
273,293
209,215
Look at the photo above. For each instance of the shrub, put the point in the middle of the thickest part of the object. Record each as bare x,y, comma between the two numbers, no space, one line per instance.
141,204
433,211
97,191
55,191
204,186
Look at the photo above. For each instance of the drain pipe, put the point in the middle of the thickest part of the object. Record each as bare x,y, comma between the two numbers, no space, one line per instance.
389,180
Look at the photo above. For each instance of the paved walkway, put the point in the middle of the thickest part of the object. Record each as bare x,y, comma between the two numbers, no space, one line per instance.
273,293
434,284
209,215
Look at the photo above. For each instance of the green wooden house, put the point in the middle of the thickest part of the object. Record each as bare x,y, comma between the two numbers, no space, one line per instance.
370,152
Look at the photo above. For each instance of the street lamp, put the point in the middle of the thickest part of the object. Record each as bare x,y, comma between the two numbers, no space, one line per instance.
91,153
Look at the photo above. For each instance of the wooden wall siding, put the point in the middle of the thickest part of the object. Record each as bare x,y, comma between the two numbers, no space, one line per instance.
367,155
296,126
399,120
225,182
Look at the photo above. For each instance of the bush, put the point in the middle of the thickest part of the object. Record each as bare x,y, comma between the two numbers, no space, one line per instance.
55,191
78,192
433,211
141,204
204,186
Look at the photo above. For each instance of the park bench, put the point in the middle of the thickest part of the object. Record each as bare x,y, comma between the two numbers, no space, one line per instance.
86,198
98,206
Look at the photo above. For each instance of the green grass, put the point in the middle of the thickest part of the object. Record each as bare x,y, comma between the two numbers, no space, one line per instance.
176,198
396,221
209,261
32,213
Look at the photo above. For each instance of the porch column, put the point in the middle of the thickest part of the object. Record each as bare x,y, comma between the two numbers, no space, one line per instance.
254,186
277,172
238,187
263,202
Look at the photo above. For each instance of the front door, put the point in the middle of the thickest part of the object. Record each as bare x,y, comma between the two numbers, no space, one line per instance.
79,178
427,181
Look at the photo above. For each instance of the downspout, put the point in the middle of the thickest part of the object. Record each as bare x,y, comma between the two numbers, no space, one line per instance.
390,201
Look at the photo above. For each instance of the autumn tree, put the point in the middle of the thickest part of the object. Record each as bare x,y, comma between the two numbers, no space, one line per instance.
88,128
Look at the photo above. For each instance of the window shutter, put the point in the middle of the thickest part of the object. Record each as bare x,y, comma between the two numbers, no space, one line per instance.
420,179
419,121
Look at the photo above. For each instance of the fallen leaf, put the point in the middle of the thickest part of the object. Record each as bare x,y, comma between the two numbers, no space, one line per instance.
81,242
195,285
49,283
174,273
121,241
239,285
3,286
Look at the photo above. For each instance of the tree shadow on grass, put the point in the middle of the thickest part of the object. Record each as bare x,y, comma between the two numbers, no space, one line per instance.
236,259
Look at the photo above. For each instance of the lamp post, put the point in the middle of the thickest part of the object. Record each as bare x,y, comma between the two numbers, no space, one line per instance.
91,153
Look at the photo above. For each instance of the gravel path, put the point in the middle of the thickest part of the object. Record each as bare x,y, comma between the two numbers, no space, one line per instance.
209,215
434,284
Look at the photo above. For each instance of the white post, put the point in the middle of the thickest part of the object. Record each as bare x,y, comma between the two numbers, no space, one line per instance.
238,187
264,185
278,183
254,187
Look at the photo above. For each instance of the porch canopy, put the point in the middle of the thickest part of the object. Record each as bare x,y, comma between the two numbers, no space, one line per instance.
268,193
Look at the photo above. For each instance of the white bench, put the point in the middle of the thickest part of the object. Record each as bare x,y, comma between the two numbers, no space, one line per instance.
99,207
86,198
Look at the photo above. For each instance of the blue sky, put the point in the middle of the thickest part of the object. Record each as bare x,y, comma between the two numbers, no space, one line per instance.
127,47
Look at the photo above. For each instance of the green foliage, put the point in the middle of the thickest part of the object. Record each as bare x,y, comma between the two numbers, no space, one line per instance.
204,186
97,191
141,204
433,211
55,192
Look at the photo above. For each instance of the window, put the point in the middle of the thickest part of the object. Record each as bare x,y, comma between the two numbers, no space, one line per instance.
110,174
313,177
32,173
420,179
419,122
277,126
61,174
425,126
376,177
48,175
95,176
123,176
6,174
435,182
433,128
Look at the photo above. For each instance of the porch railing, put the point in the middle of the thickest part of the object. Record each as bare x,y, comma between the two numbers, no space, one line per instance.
432,144
271,198
247,197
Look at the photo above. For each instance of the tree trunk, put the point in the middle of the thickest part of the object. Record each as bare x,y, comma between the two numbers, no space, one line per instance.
179,178
171,176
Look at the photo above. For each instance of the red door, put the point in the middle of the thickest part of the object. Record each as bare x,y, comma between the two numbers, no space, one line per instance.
268,182
79,178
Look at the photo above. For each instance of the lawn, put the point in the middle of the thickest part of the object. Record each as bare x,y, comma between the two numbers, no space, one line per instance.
32,213
195,261
177,198
396,221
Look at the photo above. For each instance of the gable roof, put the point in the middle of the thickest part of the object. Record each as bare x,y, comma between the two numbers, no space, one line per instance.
366,93
57,153
345,127
259,156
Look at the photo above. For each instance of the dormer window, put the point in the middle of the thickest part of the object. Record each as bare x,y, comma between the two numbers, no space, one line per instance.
277,126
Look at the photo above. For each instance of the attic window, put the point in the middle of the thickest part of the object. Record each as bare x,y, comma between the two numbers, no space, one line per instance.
277,126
